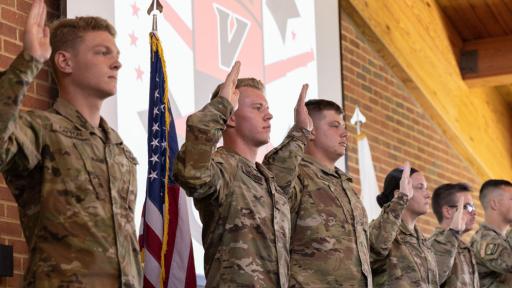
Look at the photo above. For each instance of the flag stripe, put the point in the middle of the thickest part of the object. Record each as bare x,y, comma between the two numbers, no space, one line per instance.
181,253
153,245
153,218
172,226
152,270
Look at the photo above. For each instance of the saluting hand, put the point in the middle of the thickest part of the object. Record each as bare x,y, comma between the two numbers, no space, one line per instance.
228,89
405,181
302,118
36,40
459,222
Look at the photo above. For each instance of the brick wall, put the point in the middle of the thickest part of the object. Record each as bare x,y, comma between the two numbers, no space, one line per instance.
13,14
397,127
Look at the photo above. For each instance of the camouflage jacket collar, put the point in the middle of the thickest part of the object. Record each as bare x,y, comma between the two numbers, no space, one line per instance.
69,112
485,226
336,172
246,162
416,233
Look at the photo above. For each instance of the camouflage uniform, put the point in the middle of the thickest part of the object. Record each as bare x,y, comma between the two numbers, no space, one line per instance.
329,246
400,258
75,188
245,215
455,261
493,253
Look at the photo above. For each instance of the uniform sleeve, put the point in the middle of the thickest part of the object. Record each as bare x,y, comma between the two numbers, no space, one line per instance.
495,254
384,229
195,169
444,245
294,199
283,161
20,138
509,237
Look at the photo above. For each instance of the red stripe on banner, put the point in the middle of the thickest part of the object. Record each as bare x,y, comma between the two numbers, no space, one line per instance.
174,197
280,68
177,23
152,242
190,280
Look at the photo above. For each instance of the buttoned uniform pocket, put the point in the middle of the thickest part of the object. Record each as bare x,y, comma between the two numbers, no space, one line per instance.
68,166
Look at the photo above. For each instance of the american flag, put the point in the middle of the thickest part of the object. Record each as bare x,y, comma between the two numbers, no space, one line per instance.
164,237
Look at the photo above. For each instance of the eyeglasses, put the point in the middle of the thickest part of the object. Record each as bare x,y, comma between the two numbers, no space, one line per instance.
468,207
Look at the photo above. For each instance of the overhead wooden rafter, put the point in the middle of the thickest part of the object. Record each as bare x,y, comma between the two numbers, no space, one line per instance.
487,62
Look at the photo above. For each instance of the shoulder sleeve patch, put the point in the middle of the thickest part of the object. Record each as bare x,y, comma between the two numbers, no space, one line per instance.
491,249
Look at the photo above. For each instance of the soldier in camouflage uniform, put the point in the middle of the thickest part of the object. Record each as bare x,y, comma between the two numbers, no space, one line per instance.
245,214
400,255
70,173
329,245
491,243
453,206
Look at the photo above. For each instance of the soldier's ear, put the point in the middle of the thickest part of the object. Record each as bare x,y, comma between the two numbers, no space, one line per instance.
63,61
493,204
447,212
231,121
312,135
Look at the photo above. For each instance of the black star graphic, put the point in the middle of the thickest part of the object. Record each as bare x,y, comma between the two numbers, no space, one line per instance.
282,11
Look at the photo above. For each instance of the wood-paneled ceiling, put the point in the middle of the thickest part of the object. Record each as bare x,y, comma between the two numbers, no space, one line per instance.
479,19
484,26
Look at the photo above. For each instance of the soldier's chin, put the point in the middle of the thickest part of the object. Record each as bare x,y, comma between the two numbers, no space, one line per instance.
263,142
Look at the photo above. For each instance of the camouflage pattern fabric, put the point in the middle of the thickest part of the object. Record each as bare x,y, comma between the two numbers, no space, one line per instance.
329,245
245,214
400,257
75,187
455,261
493,253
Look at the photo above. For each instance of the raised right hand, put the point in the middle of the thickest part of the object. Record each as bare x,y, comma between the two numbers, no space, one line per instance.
36,40
459,222
228,89
405,181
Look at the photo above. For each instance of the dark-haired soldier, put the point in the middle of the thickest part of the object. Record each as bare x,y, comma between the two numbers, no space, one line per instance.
329,243
454,209
492,244
400,254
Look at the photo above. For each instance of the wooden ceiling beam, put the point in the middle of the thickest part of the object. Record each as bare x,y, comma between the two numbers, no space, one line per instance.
487,62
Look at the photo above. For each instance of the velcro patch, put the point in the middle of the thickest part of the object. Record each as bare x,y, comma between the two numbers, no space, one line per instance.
491,249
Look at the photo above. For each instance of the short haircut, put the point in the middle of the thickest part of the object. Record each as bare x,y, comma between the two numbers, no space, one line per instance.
490,186
66,33
316,106
240,83
444,195
391,184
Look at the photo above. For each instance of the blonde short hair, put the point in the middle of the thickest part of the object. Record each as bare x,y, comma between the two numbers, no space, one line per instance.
240,83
